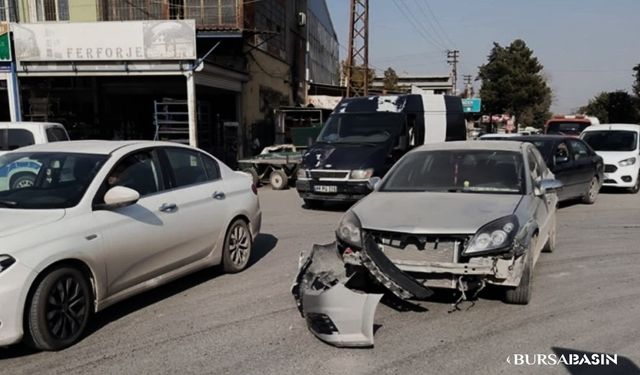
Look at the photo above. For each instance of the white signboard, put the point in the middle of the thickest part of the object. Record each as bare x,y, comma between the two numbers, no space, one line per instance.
105,41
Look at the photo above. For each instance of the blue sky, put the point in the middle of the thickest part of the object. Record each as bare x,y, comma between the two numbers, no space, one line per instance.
586,46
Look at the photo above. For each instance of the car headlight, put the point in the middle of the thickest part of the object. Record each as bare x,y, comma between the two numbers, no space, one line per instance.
361,174
493,237
6,261
627,162
350,230
302,173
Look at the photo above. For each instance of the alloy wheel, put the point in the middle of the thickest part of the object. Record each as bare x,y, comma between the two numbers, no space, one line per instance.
239,245
66,308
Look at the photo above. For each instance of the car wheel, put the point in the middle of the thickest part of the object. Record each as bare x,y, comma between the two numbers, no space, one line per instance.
312,204
237,247
592,193
635,187
254,175
22,180
278,180
59,310
521,295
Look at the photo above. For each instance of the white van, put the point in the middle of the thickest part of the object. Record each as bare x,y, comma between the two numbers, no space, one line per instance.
14,135
619,147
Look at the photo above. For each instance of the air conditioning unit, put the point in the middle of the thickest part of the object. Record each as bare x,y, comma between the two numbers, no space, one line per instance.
302,19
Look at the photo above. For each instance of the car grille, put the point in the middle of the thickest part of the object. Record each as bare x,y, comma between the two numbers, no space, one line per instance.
318,174
419,248
609,168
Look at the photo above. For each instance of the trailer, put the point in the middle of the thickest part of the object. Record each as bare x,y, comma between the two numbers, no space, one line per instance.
276,165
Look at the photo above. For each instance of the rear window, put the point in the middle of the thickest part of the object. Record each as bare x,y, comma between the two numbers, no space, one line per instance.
11,139
566,128
56,134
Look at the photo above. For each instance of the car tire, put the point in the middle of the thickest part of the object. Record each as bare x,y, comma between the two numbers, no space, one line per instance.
254,175
635,187
237,248
59,310
521,295
550,246
312,204
22,180
592,193
278,180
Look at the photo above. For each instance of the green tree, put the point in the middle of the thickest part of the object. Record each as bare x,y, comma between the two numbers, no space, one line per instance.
512,82
613,107
636,83
390,79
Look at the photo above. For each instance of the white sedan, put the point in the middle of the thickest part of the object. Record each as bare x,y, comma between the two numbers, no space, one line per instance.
106,220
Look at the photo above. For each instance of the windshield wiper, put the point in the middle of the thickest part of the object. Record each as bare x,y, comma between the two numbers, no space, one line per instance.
6,203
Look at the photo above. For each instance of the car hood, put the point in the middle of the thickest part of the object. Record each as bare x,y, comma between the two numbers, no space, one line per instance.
436,213
345,156
613,157
22,222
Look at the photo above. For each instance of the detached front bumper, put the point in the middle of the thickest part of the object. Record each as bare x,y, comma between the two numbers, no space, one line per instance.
332,191
13,282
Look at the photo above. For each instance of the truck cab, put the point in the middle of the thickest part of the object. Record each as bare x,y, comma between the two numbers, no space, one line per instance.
365,136
571,125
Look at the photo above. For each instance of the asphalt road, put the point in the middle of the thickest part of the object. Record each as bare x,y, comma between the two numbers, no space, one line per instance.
586,299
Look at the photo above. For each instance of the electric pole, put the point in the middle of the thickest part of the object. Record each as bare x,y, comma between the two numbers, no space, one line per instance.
358,59
452,59
468,89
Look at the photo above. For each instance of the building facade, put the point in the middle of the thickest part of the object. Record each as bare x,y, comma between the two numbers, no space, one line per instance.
249,58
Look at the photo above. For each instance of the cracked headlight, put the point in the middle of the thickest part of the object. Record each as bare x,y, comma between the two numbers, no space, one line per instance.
350,230
361,174
494,237
6,261
627,162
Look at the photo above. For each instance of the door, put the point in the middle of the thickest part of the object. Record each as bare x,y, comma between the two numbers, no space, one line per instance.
584,165
142,240
199,193
544,205
564,170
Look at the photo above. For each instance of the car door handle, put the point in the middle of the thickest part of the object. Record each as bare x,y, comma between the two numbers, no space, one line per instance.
219,195
168,207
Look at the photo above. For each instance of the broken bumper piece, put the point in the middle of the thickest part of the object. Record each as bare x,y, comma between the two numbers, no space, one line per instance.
334,312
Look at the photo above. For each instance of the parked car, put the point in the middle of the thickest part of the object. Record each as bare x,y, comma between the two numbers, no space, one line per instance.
455,215
106,220
619,147
14,135
365,136
573,162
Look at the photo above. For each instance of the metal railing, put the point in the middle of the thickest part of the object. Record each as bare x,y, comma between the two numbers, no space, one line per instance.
209,14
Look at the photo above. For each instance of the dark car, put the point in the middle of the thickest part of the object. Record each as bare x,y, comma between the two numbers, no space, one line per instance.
572,161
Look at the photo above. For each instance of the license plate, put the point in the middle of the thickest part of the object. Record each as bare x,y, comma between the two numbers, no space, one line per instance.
325,189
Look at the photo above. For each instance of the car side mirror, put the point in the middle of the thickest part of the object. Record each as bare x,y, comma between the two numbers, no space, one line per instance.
120,196
548,186
374,183
562,159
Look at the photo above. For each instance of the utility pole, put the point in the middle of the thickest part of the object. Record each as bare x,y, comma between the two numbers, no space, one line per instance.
452,59
468,89
13,90
358,59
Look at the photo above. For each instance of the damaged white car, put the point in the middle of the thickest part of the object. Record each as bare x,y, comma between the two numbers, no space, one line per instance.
456,215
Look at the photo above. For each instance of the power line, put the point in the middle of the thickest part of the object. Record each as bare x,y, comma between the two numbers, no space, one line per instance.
425,3
415,23
435,32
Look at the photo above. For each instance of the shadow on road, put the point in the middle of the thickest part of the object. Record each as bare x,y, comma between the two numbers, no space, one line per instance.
615,191
584,363
264,243
329,206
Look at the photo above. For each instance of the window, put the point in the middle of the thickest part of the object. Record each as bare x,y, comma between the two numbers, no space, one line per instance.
56,134
210,165
561,154
580,150
187,165
11,139
49,10
138,171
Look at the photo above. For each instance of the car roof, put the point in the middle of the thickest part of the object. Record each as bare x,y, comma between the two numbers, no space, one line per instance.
501,135
27,124
632,127
93,146
473,145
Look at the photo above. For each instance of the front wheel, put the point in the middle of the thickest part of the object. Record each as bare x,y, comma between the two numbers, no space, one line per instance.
22,180
237,247
59,310
592,194
521,295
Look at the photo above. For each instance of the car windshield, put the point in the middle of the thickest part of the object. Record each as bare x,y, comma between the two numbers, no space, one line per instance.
612,140
458,171
46,180
566,128
375,127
